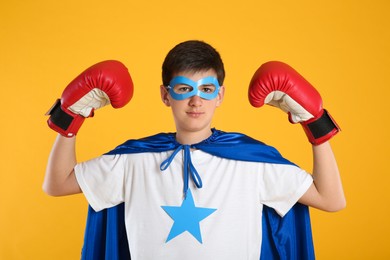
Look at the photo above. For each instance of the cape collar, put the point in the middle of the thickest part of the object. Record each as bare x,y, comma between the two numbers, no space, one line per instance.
229,145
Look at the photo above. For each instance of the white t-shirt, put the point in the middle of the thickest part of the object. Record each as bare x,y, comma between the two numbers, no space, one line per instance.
221,220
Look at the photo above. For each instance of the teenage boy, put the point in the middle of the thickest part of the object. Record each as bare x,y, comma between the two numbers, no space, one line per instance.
197,193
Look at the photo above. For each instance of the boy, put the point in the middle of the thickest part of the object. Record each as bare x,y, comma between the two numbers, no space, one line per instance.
196,193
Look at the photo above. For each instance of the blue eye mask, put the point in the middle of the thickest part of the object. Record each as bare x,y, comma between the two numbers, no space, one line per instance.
181,88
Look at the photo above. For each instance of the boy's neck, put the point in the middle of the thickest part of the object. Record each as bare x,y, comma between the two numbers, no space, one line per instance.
188,137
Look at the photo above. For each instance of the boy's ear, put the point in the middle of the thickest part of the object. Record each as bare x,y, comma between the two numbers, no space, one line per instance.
164,95
220,96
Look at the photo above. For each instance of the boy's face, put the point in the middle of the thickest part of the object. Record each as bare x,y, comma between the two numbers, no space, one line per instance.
194,113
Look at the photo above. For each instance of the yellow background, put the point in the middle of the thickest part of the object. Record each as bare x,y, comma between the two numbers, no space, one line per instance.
341,47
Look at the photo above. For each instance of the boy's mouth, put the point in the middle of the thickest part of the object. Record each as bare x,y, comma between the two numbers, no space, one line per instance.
194,113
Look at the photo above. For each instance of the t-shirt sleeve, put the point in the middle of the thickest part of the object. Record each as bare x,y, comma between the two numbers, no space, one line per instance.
102,181
282,186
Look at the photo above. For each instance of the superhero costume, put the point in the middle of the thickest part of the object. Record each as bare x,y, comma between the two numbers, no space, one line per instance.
283,238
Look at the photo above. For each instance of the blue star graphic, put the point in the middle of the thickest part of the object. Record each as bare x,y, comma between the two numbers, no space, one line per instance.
187,218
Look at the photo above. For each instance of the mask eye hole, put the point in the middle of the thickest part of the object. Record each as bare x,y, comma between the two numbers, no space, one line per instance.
182,89
207,88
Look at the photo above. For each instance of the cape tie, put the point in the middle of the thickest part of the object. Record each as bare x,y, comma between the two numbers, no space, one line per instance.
188,167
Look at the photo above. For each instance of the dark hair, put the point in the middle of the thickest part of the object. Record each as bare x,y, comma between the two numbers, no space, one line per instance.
193,56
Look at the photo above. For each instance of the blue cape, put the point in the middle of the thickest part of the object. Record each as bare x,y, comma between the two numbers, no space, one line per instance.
287,238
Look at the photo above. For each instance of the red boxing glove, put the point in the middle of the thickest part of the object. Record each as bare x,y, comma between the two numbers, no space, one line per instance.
277,84
101,84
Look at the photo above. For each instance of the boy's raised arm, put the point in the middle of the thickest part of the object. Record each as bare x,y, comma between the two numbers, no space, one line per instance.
107,82
326,193
277,84
59,178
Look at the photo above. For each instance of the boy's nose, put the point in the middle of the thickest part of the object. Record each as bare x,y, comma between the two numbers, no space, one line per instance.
195,101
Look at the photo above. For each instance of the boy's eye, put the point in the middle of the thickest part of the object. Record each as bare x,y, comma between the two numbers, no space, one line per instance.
207,88
182,89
